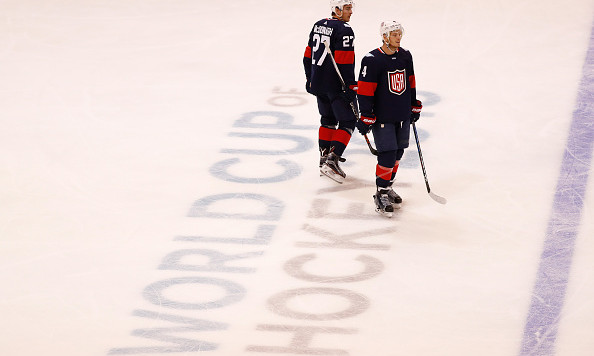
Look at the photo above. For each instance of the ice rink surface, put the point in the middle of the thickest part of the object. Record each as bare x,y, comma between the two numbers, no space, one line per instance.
160,191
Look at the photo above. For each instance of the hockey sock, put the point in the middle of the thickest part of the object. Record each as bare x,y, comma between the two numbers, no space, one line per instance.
382,176
340,140
394,170
325,134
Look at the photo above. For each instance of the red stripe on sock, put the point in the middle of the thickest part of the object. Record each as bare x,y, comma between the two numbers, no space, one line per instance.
325,133
341,136
383,172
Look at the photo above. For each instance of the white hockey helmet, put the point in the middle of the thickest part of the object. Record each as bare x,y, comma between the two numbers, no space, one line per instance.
340,4
388,26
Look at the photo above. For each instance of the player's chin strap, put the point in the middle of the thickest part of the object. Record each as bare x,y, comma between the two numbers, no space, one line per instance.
390,48
336,15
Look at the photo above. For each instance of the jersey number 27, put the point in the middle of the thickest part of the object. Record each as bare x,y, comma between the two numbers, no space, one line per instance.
319,40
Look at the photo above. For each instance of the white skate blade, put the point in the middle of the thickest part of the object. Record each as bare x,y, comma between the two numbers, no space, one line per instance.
387,214
328,172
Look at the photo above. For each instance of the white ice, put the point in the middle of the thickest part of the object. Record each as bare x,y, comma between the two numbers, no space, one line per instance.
119,119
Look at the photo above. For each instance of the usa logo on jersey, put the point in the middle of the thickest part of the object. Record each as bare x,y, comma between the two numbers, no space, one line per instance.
396,81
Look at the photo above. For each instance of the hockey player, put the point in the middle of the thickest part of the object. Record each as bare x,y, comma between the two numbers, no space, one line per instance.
388,103
337,118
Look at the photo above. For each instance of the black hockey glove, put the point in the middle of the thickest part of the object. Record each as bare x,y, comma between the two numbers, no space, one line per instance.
364,124
416,111
308,87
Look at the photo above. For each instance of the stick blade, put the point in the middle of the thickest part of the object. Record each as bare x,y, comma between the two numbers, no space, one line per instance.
437,198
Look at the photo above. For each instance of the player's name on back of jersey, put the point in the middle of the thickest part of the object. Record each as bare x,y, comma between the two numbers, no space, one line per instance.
323,30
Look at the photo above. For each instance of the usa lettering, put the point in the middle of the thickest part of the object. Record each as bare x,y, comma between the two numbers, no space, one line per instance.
397,81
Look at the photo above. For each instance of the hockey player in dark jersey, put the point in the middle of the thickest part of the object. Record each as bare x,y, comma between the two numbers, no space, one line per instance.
388,103
337,118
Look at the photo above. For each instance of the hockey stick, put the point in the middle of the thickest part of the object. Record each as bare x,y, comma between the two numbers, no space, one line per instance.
353,107
373,150
437,198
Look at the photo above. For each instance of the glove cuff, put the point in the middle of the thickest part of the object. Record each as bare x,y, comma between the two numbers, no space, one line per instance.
417,107
368,119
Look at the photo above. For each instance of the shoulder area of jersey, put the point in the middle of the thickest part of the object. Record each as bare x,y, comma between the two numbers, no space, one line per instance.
400,50
373,53
334,21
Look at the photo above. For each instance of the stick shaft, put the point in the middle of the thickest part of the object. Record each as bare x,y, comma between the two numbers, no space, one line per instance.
421,157
355,111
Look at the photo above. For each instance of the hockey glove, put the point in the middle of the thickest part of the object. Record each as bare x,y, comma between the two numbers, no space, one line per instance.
416,111
364,124
308,87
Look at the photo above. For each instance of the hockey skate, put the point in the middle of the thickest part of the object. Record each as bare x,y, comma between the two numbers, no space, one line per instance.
395,199
323,157
331,169
383,206
323,160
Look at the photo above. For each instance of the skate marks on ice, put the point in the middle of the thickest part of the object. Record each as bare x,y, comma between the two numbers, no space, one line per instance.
553,274
247,219
336,262
334,245
356,206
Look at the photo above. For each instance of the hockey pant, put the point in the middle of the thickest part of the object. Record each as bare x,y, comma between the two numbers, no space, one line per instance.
336,124
390,141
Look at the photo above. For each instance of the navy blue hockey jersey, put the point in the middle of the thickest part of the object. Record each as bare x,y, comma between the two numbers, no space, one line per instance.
387,87
319,70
